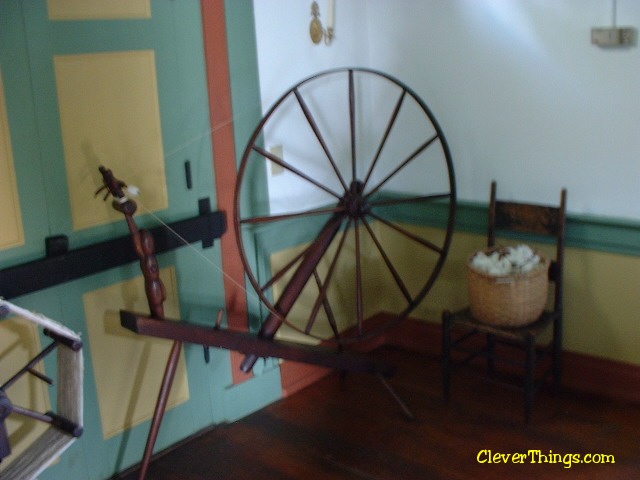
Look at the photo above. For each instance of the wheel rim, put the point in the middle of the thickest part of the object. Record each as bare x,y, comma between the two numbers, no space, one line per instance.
356,176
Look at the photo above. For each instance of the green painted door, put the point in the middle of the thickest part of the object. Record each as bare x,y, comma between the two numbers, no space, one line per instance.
43,60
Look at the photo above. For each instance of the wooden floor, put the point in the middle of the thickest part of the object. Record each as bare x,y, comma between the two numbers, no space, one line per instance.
353,429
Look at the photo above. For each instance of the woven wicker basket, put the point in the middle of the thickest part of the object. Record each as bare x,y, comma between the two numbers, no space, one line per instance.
508,300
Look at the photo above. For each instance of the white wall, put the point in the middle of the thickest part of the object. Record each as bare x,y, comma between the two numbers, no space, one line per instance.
521,94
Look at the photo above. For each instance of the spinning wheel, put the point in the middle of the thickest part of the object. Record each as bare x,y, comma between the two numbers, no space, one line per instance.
357,202
361,157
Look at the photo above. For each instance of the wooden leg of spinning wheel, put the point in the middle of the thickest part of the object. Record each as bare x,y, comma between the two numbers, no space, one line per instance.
403,406
161,405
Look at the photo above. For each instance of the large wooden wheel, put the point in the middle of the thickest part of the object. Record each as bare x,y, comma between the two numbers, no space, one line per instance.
358,173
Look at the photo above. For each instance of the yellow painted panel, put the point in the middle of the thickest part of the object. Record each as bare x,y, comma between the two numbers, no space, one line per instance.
128,368
19,343
11,233
98,9
109,115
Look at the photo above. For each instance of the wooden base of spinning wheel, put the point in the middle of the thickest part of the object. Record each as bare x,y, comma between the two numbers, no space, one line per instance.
248,343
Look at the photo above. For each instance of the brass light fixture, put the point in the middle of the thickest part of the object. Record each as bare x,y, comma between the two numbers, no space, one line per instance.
316,30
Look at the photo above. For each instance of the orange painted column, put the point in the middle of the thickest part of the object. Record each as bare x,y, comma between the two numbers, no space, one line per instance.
224,165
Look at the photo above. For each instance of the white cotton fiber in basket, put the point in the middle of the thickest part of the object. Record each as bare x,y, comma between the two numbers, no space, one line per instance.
506,261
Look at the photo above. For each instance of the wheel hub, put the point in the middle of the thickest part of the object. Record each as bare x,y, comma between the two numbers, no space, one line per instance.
355,202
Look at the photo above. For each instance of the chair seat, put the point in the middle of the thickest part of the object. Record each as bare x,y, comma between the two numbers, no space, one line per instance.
524,338
465,319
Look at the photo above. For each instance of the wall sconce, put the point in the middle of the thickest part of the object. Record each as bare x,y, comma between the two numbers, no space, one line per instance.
316,30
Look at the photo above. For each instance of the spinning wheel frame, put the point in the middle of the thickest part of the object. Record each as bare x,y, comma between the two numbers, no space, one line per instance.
353,206
356,203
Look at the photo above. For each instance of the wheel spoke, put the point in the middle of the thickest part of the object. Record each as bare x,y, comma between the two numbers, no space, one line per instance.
400,201
408,234
387,261
352,122
392,121
358,277
322,296
284,270
328,310
316,131
292,169
288,216
410,158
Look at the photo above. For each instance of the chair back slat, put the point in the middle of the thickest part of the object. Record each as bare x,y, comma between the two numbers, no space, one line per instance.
528,218
534,219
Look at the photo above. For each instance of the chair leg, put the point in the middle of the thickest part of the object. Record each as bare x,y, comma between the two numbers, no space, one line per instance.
529,384
557,354
446,354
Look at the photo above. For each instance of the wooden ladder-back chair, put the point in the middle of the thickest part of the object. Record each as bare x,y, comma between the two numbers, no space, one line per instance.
459,328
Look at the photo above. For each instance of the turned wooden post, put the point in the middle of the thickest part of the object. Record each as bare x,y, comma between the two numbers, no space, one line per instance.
156,295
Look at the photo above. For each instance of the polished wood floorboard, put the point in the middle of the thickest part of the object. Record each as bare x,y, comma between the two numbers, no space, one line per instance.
351,429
